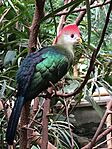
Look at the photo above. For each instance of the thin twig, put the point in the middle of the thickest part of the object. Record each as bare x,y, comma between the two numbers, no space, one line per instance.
36,137
84,8
102,143
33,119
104,133
62,19
82,14
35,106
30,131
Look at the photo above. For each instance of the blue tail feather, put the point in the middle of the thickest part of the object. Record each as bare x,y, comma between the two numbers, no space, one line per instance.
13,120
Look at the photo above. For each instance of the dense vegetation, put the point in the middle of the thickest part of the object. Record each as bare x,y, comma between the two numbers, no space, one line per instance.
15,21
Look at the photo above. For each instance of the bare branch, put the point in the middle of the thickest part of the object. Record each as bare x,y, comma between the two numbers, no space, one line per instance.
24,121
39,8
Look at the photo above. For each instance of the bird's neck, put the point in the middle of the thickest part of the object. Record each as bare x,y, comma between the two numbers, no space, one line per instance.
67,51
66,48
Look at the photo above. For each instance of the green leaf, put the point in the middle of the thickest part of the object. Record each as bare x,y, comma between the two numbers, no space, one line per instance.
10,14
106,85
73,7
20,5
10,23
52,9
34,147
94,104
9,57
74,84
11,4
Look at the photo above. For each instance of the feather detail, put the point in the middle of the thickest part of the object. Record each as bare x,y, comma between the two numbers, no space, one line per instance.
13,121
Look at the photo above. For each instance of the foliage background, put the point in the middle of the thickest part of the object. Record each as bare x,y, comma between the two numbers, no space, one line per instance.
15,21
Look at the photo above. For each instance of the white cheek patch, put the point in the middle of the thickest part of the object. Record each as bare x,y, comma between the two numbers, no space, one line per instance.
66,37
70,39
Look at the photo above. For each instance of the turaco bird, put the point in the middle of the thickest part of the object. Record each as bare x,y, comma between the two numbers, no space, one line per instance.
38,69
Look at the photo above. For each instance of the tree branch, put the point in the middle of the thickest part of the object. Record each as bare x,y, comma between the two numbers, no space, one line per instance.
39,13
24,121
45,121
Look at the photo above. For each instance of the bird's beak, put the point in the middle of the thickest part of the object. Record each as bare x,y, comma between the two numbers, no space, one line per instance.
80,40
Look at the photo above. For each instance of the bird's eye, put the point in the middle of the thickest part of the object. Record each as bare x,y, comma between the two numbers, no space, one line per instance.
72,35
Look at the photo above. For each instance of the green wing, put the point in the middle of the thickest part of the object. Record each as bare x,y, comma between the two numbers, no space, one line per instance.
51,66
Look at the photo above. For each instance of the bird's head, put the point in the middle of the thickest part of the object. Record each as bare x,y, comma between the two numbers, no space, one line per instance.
69,36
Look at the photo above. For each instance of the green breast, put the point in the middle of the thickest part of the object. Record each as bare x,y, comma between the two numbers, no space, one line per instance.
53,66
